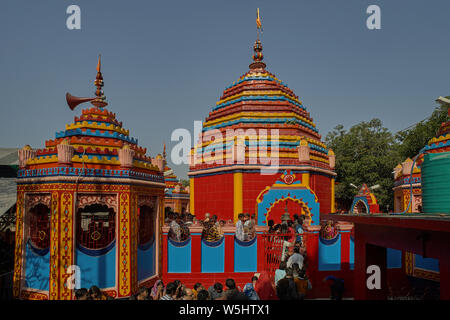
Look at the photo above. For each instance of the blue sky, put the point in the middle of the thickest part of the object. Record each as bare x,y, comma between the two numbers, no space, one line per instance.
165,63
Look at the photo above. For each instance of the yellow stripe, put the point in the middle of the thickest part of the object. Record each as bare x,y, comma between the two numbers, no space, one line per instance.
259,93
267,137
263,115
95,125
237,194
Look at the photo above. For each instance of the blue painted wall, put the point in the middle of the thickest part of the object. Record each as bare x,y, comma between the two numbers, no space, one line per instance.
179,258
146,262
330,255
37,269
245,257
426,263
393,258
213,258
352,254
97,270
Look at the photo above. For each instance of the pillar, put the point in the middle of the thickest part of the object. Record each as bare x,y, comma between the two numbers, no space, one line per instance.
229,232
19,245
333,208
61,244
127,244
345,232
196,248
237,194
305,179
191,196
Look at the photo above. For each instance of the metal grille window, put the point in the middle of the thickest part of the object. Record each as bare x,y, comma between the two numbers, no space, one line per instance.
40,226
96,226
146,224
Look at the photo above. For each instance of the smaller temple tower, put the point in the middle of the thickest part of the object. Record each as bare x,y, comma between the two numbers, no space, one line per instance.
89,206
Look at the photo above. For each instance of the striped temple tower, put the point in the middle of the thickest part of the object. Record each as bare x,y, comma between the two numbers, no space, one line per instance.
260,151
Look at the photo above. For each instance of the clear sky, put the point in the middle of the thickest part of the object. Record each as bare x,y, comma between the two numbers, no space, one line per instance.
165,63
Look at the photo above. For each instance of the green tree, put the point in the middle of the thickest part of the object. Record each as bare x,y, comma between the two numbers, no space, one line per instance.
415,138
367,153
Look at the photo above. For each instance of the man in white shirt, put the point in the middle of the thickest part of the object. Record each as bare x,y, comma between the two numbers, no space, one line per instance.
240,235
296,258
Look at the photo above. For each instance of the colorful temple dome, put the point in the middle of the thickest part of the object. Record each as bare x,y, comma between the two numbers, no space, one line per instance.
259,100
94,145
259,152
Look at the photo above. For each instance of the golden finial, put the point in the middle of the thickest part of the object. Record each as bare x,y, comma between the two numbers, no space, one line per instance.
100,100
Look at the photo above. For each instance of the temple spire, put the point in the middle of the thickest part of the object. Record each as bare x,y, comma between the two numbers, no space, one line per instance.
257,47
99,102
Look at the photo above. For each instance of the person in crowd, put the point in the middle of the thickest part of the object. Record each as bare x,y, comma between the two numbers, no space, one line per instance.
175,229
301,281
264,287
197,287
299,230
170,293
203,295
82,294
336,287
220,228
206,220
240,235
157,290
249,289
270,224
280,273
96,294
143,294
188,294
296,257
216,291
232,293
292,289
283,289
185,232
210,230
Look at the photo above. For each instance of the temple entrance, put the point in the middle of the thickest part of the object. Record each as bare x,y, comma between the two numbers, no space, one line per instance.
287,205
360,207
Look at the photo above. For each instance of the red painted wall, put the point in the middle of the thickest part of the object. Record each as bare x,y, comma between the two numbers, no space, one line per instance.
322,187
252,185
214,194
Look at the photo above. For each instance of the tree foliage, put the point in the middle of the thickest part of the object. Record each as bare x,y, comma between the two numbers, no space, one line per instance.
367,153
415,138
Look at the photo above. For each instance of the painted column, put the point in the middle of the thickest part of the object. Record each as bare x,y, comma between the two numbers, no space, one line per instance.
66,248
229,232
260,230
191,196
53,290
19,248
165,253
237,194
124,243
305,179
345,232
196,248
333,207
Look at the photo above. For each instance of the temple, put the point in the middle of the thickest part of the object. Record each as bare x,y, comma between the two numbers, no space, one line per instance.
176,196
91,198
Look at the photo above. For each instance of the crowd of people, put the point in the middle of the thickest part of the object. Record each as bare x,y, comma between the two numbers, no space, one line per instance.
179,224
